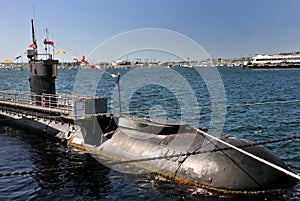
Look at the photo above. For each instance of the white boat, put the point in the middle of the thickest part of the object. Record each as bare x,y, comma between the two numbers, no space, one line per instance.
283,60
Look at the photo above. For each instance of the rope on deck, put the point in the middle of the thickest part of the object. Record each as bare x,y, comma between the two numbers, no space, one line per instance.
36,171
250,155
215,106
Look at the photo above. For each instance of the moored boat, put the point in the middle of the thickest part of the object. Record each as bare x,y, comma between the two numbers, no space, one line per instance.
283,60
172,149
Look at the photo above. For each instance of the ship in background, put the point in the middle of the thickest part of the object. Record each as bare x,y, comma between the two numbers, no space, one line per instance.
282,60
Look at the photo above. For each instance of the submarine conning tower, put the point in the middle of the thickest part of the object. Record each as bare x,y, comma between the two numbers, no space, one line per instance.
42,73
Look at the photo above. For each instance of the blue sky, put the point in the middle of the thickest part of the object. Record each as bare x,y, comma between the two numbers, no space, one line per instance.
224,28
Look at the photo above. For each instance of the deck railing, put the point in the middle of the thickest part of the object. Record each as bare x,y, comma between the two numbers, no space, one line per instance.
61,102
73,106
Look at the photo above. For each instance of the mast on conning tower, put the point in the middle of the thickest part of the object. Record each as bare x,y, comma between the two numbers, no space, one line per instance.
33,34
32,53
42,73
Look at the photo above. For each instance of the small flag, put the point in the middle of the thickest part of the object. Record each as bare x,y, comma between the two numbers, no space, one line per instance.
95,67
83,59
59,52
48,42
18,57
116,76
75,59
32,46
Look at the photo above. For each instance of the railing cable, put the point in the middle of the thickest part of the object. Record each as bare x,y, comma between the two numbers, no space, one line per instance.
250,155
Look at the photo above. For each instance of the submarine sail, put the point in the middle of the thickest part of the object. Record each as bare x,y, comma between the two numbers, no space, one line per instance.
42,73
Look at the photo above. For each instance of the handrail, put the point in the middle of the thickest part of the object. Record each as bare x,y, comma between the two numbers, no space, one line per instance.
65,104
62,102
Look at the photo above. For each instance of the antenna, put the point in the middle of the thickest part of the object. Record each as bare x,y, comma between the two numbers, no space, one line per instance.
33,11
33,35
45,42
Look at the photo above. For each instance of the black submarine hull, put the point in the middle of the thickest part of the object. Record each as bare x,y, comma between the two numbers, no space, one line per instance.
175,151
218,168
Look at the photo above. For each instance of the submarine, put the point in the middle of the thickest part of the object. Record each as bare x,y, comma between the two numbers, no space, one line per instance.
171,149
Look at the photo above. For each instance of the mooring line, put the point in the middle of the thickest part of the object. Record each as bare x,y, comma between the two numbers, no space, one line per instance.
213,106
205,151
34,171
38,171
250,155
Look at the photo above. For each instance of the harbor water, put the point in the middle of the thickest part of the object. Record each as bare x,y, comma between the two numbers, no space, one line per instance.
261,105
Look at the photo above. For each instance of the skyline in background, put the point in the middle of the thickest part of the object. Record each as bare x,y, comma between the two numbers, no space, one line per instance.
225,29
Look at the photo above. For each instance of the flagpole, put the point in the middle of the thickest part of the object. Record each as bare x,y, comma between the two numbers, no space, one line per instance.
119,90
118,80
53,48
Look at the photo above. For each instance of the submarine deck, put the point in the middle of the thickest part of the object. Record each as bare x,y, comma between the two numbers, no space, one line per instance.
69,107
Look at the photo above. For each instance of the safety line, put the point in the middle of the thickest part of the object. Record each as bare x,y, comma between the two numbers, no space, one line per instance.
214,106
250,155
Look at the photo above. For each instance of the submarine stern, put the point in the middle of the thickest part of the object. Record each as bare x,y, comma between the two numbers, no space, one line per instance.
228,170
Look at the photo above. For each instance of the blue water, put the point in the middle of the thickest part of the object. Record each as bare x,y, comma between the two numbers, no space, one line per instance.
22,151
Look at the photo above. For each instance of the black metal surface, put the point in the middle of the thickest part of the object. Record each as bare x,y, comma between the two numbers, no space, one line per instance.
225,169
42,75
